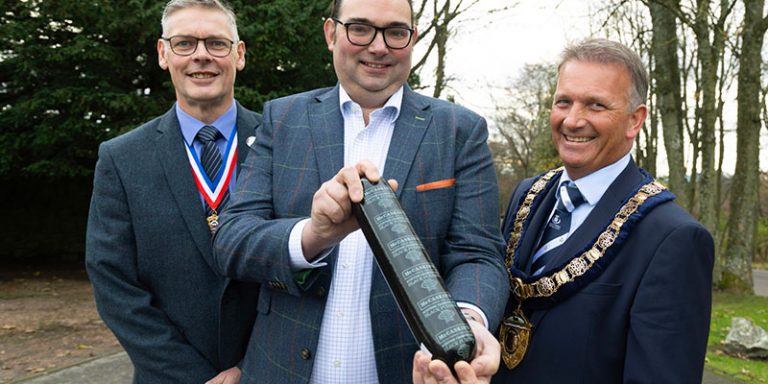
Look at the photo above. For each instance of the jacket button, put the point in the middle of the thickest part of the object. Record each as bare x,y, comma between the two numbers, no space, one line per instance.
321,292
305,355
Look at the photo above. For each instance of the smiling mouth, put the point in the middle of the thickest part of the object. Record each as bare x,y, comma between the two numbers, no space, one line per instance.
199,75
374,65
577,139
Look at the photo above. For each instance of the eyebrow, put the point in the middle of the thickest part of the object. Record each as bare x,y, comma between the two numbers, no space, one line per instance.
366,21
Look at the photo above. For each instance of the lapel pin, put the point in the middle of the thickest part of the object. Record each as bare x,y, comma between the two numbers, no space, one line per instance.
249,141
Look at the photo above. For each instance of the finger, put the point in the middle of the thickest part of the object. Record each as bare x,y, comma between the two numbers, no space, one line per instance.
325,206
393,183
419,369
367,169
441,372
349,178
465,373
339,205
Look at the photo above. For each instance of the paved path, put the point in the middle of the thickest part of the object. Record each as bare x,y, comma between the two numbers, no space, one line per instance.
760,278
113,369
117,369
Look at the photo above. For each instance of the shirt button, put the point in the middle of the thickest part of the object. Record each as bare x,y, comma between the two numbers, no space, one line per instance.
337,363
305,355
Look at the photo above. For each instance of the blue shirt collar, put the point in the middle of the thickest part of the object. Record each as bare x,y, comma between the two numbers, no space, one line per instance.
594,185
190,126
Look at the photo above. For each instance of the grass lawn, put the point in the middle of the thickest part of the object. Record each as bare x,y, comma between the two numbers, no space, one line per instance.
724,307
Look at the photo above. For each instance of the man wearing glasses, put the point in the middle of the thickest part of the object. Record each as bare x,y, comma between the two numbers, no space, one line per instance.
326,314
157,194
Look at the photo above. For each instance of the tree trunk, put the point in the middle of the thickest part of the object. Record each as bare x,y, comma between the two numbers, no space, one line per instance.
666,73
742,224
441,40
709,56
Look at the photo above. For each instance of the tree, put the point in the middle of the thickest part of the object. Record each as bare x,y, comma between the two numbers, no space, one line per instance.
77,73
437,20
525,148
666,76
742,223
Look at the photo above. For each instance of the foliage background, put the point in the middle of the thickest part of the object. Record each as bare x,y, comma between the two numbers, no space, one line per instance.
76,73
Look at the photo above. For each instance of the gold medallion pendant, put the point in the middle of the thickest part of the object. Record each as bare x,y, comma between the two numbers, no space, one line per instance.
514,335
213,222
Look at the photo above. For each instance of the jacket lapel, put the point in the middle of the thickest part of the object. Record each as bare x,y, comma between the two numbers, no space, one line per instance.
327,128
410,127
170,150
247,123
535,229
595,223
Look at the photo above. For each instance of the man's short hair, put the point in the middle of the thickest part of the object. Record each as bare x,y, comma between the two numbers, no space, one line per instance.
336,6
220,5
605,51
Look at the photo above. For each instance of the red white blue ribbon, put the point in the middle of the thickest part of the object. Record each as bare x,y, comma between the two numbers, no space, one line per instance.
213,191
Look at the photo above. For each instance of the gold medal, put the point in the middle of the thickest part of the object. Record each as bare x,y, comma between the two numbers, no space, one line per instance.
213,222
514,335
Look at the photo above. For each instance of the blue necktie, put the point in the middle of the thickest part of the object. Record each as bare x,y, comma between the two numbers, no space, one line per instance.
556,232
210,156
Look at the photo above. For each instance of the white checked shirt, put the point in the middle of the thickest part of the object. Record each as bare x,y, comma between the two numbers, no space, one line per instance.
345,350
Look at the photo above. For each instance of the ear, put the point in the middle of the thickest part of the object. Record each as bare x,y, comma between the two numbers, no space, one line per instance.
161,59
636,120
329,30
415,35
240,55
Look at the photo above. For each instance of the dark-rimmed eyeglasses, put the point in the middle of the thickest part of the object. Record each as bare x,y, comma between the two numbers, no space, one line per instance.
187,45
362,34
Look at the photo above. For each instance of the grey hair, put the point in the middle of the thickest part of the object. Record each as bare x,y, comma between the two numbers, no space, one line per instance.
177,5
605,51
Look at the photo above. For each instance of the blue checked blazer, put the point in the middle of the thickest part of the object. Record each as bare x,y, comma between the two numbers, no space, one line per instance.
301,146
644,319
148,255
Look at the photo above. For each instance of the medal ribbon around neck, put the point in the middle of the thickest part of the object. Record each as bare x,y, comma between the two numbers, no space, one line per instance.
213,191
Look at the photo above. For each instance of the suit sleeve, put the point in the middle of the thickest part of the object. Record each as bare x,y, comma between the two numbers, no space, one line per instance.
158,351
669,319
252,243
473,252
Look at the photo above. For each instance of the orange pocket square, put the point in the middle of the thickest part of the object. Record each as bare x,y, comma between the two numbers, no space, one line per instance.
436,185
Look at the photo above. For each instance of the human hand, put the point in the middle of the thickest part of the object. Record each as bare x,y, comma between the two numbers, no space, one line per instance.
331,217
480,370
230,376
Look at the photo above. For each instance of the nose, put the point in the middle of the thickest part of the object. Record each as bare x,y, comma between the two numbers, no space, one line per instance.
574,118
378,45
201,52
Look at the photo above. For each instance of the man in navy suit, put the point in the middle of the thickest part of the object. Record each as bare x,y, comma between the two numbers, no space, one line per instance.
148,245
622,293
325,313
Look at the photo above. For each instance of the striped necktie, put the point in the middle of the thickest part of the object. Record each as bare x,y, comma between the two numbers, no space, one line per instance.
210,156
556,232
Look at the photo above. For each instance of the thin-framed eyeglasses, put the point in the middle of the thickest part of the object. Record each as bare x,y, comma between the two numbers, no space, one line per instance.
362,34
186,45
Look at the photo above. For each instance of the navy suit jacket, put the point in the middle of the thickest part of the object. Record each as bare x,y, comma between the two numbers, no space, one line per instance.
300,146
645,319
148,255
